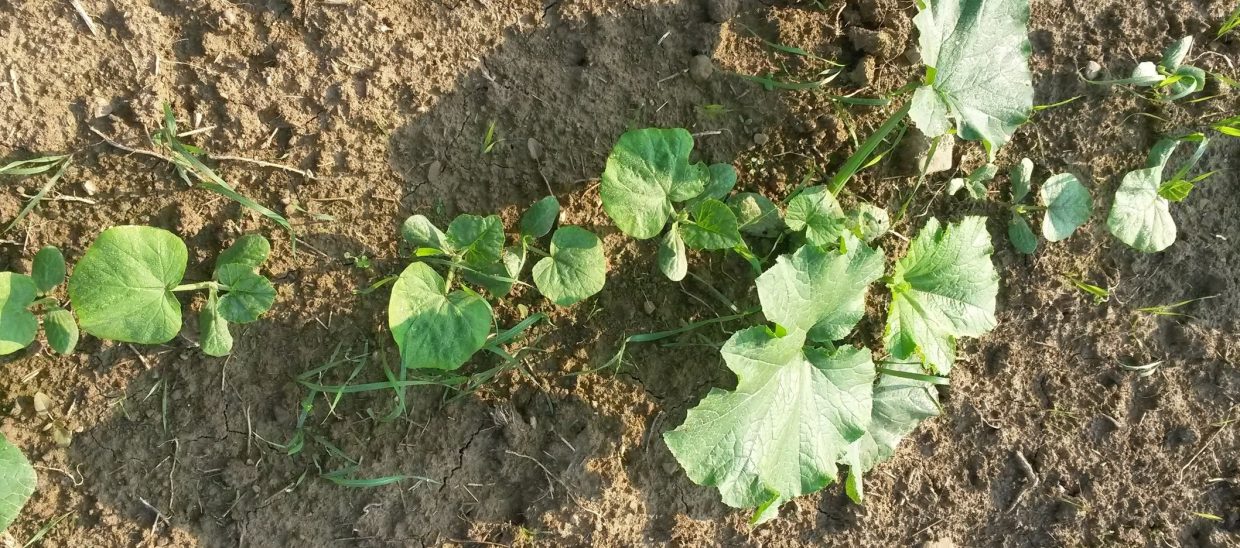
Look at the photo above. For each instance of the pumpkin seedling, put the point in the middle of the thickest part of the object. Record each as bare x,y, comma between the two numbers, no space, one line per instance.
1065,204
1170,78
1141,213
23,299
439,327
124,288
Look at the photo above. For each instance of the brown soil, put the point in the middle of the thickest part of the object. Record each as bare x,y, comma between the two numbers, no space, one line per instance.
387,102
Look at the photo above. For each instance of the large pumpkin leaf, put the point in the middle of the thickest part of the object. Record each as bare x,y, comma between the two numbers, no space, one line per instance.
648,170
435,329
819,290
18,326
943,288
17,482
576,268
121,290
977,52
794,413
900,404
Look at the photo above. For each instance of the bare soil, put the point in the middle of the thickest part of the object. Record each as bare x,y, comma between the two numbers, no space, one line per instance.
387,102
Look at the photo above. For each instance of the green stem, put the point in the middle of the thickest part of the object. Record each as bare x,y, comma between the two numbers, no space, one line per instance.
537,251
932,379
854,162
921,178
200,285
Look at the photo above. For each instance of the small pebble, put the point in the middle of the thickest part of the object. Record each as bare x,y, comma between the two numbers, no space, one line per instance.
760,139
649,307
700,68
535,149
90,188
61,437
1092,70
42,403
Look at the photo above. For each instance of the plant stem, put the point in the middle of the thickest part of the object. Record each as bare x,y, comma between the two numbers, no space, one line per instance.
537,251
200,285
921,178
859,157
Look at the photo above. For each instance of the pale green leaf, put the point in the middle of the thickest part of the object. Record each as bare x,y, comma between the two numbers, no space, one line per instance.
714,226
819,290
1175,53
900,405
869,222
498,278
121,290
722,181
435,329
648,170
1022,237
478,240
540,218
778,435
943,288
975,183
978,51
18,327
816,212
1139,216
420,232
61,329
248,295
673,261
17,481
756,214
576,268
1021,177
49,269
250,250
214,337
1068,206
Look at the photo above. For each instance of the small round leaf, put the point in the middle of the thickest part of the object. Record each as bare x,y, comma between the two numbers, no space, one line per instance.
576,268
61,329
541,217
49,269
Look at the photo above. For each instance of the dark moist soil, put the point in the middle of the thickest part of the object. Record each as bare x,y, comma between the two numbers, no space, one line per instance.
387,104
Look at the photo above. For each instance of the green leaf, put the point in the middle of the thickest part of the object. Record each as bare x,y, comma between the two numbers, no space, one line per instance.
869,222
943,288
756,214
1068,206
1021,235
540,217
121,290
250,250
714,226
49,269
820,291
648,170
816,211
420,232
248,295
1140,217
722,181
61,329
975,183
1174,55
501,276
214,336
17,481
478,240
673,261
978,51
777,436
435,329
18,327
1186,81
1021,177
900,404
576,268
1176,191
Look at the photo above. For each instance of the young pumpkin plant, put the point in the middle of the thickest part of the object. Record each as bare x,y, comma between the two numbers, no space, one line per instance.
806,402
649,184
1065,204
439,326
23,299
1170,78
124,288
1141,213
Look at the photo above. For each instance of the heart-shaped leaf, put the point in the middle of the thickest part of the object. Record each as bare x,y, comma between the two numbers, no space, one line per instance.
714,226
1068,206
576,268
648,170
900,404
248,295
18,327
816,211
435,329
121,290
